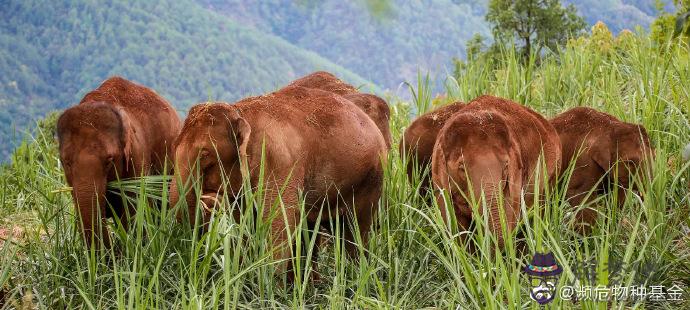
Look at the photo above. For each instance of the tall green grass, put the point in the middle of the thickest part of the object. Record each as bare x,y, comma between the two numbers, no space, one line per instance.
414,260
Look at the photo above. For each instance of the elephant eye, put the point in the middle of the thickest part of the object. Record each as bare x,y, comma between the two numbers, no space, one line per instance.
109,161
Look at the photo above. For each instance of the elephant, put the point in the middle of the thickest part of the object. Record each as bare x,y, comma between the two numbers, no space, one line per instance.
324,81
418,141
314,143
378,111
119,130
598,143
493,146
372,105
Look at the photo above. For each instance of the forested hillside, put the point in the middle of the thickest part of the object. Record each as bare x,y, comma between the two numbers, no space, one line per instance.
620,14
52,52
388,48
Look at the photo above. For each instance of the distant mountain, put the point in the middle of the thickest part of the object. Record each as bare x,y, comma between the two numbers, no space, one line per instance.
53,52
389,49
620,14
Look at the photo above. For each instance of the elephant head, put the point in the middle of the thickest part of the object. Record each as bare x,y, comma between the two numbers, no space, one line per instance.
477,157
624,153
210,155
96,143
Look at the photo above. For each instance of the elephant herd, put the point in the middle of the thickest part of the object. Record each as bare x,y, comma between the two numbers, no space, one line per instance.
319,146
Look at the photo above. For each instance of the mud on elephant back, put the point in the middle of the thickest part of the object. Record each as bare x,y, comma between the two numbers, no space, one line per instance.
376,108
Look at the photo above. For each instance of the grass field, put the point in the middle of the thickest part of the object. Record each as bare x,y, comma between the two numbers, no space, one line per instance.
414,260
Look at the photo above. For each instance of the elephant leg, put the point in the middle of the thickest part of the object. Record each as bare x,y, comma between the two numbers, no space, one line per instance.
365,204
440,201
283,219
319,243
585,216
126,216
116,207
464,227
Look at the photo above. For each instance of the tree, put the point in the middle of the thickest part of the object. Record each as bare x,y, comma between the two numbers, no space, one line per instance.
671,25
533,24
683,18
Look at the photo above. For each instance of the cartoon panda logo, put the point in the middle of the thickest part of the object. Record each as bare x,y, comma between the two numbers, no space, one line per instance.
544,273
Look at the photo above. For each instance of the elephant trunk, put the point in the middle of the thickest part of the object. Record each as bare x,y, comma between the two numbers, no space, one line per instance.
492,193
180,184
174,193
491,196
89,198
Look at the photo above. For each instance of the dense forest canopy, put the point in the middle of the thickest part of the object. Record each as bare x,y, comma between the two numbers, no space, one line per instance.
52,53
389,48
189,51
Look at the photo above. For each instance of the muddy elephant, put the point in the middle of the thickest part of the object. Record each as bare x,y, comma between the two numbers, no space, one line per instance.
372,105
119,130
324,81
599,143
317,144
418,140
378,111
493,146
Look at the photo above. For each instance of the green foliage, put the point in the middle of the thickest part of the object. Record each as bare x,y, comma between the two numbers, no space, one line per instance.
682,25
663,28
409,36
533,24
52,53
195,50
620,14
672,25
414,259
388,48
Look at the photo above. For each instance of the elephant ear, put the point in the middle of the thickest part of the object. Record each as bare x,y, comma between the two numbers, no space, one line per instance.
439,167
513,172
240,131
130,142
600,149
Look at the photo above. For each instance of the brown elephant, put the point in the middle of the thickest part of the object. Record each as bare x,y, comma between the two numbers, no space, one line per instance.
372,105
417,143
497,145
119,130
324,81
597,142
378,111
316,143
